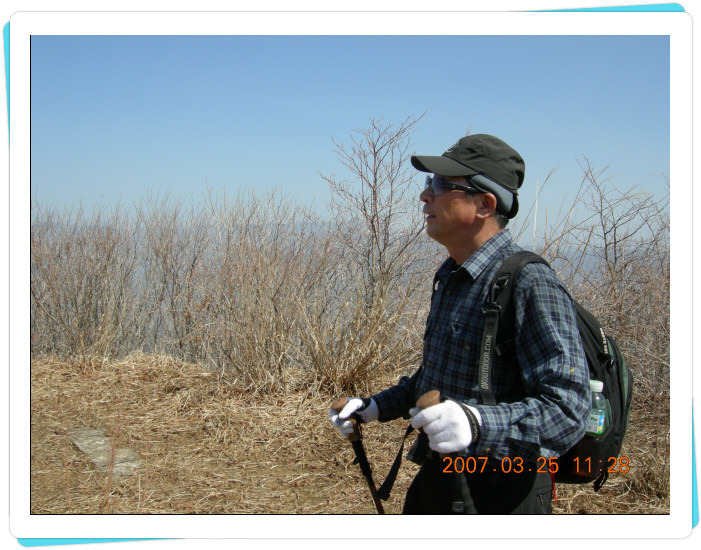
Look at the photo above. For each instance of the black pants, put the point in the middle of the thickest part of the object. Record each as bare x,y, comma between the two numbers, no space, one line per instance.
492,492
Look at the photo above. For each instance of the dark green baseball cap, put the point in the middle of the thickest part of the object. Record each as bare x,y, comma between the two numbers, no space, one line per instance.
481,154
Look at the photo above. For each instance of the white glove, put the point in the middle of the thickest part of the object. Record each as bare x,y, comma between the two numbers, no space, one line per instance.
446,426
366,409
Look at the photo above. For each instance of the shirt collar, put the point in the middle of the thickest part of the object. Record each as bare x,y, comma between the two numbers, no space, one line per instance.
476,263
486,254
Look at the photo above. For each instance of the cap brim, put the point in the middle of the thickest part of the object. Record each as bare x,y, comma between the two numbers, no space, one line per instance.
441,165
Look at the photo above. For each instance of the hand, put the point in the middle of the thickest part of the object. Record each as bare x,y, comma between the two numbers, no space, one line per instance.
363,408
446,426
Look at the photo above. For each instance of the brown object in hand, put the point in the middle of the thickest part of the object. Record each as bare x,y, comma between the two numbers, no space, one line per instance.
429,399
337,406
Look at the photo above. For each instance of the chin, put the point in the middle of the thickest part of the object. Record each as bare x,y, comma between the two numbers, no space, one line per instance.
433,233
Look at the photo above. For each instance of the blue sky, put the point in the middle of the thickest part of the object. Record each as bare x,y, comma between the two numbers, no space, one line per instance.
113,117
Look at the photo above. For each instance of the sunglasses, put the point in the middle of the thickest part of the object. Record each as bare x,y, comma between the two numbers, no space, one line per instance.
439,185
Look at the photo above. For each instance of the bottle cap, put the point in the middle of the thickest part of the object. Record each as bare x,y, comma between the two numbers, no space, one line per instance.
596,386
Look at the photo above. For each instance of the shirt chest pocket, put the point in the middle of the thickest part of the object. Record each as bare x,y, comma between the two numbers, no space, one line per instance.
460,347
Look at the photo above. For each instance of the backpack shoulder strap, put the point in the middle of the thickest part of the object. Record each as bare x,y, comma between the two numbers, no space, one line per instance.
497,307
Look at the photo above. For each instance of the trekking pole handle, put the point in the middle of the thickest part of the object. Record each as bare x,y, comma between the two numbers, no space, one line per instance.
429,399
337,406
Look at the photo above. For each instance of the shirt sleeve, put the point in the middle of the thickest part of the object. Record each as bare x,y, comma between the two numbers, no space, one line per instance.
397,400
554,372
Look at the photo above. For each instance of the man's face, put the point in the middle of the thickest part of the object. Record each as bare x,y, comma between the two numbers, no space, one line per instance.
449,216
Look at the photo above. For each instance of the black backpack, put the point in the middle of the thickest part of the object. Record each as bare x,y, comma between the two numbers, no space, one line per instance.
593,457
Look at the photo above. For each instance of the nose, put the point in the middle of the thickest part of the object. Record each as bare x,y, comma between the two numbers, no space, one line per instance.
426,195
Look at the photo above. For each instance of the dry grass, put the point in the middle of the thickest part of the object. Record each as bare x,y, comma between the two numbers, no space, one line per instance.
209,447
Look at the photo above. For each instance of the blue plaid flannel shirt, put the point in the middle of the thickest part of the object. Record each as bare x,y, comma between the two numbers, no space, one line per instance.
541,402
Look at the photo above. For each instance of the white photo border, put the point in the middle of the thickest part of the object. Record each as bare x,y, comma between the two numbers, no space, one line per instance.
23,25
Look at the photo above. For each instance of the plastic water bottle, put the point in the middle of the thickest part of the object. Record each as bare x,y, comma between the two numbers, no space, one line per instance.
598,419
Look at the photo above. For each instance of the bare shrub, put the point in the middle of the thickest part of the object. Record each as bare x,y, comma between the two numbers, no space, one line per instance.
81,274
351,348
375,212
267,256
613,253
370,328
176,244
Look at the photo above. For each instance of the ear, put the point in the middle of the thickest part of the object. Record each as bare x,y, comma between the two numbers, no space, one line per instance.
486,205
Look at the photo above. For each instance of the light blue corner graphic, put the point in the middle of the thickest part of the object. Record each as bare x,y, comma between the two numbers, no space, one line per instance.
694,483
54,542
647,7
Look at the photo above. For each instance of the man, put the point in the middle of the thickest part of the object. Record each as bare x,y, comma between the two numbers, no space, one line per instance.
542,395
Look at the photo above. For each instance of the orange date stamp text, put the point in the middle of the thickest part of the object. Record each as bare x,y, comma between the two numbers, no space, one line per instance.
517,465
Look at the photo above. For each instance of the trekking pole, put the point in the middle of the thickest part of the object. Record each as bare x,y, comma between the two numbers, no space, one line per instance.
356,439
429,399
462,499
